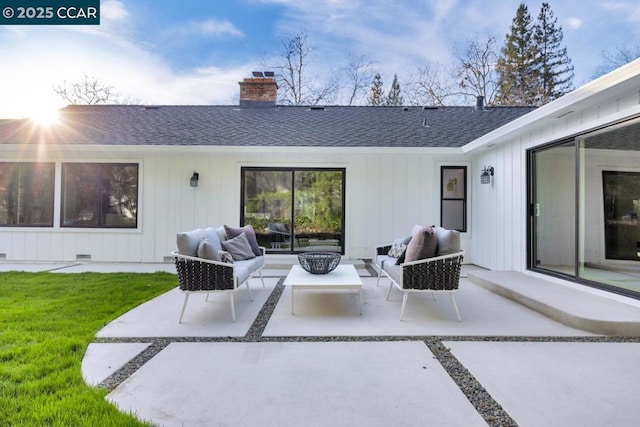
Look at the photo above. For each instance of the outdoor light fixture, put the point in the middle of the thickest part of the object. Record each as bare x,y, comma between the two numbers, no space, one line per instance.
487,173
194,179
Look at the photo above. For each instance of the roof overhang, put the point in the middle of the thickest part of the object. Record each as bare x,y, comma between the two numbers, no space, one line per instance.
620,82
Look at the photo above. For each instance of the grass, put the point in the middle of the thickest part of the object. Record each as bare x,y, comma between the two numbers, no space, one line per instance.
47,320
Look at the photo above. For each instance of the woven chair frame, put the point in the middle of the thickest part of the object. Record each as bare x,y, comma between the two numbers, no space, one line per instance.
195,275
440,274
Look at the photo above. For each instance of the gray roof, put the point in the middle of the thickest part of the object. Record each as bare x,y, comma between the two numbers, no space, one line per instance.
331,126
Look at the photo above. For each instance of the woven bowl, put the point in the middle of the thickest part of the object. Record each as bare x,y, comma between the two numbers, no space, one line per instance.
319,262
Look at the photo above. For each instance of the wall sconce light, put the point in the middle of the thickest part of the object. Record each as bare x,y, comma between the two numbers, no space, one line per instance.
487,174
194,179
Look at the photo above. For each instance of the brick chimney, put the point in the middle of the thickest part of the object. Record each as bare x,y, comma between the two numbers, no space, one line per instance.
259,91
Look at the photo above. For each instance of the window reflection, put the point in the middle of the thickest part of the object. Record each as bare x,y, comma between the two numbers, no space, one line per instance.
99,195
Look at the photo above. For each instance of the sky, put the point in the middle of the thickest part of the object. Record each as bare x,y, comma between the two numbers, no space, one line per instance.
194,52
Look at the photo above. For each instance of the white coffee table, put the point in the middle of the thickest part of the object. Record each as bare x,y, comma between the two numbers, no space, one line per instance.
343,277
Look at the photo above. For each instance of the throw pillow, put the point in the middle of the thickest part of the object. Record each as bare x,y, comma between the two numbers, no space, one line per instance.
208,250
448,241
397,249
249,232
189,241
225,257
239,247
422,245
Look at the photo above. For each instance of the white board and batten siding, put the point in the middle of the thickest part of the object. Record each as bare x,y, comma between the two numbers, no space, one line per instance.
499,210
387,192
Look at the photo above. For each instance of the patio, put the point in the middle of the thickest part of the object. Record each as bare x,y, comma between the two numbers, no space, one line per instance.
327,365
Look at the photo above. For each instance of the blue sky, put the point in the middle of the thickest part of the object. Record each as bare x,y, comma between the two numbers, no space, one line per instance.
195,51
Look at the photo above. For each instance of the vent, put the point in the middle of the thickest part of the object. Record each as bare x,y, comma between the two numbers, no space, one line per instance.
151,107
3,256
316,108
83,257
405,108
429,107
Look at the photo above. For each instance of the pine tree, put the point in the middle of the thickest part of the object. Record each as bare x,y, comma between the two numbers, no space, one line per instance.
556,71
394,97
517,66
376,94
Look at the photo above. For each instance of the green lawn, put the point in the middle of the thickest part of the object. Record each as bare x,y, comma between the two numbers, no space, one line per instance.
47,320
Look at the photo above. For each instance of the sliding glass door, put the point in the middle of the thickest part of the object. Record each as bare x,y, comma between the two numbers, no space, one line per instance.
553,208
584,196
295,209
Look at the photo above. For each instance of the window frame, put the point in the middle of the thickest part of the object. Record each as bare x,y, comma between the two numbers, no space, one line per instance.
101,221
446,195
51,190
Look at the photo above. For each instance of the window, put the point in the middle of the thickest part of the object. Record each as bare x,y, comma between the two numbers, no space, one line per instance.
453,197
97,195
295,210
26,194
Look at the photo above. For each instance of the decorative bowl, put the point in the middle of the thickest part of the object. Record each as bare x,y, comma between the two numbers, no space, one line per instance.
319,262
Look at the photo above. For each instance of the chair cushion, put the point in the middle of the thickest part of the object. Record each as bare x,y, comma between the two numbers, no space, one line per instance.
423,244
395,272
249,232
208,250
448,241
189,241
212,236
384,260
239,247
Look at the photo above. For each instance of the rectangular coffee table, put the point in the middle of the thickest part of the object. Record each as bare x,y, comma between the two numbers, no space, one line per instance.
343,277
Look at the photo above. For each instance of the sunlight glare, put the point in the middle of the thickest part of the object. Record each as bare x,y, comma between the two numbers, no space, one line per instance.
44,115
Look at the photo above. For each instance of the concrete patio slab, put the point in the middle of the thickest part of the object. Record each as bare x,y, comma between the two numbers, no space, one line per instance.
558,384
212,318
295,384
103,359
336,314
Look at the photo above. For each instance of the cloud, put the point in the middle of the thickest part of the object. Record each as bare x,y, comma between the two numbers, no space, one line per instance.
574,23
211,27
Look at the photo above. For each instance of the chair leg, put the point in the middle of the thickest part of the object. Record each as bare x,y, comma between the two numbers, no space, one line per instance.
389,291
261,278
184,305
404,305
453,300
249,290
379,277
233,308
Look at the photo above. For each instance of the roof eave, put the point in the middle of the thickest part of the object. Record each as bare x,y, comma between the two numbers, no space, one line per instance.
620,81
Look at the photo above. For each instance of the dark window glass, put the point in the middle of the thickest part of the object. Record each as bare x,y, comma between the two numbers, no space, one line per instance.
453,197
99,195
26,194
295,210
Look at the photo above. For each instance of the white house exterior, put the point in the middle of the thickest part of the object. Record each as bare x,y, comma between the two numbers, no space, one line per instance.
501,212
393,179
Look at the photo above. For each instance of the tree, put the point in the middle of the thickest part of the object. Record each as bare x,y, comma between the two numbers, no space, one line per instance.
431,86
296,85
394,96
476,69
555,69
359,73
517,65
376,94
88,91
620,56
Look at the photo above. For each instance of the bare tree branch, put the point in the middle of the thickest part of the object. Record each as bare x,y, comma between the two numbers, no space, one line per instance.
297,86
90,91
476,69
360,74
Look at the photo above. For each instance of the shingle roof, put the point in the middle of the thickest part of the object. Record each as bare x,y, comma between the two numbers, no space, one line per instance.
331,126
